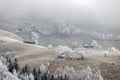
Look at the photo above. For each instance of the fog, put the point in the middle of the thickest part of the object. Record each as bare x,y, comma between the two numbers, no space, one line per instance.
98,12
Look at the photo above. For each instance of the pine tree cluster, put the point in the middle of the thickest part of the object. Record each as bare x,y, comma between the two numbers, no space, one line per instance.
26,73
10,70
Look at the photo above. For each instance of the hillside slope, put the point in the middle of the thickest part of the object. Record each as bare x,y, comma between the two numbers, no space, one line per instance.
26,53
9,35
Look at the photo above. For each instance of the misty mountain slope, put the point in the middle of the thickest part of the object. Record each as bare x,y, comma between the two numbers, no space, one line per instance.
57,32
75,33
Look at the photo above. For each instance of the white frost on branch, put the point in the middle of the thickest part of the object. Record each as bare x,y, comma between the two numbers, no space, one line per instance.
63,51
43,69
113,50
94,44
89,74
67,71
5,74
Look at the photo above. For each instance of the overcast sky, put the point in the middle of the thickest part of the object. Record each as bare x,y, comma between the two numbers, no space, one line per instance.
104,12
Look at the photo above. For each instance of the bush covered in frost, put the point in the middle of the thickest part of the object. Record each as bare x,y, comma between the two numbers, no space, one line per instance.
63,51
77,55
94,44
89,74
67,72
68,53
85,74
110,51
113,50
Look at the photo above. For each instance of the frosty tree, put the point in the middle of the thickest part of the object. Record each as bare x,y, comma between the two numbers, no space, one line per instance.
94,44
5,74
35,37
43,69
63,51
89,74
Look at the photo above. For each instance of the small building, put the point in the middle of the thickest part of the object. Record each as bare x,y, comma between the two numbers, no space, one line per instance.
29,42
86,45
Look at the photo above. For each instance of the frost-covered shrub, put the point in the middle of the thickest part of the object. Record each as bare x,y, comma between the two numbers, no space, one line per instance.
66,72
63,51
69,72
77,55
68,53
58,72
73,56
85,74
94,44
82,54
89,74
106,53
113,50
110,51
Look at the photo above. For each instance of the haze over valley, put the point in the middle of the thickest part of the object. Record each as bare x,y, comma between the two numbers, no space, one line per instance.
59,40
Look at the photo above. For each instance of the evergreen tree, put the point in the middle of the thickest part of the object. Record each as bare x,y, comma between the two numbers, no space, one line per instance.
45,75
66,77
10,67
60,77
16,65
35,74
52,77
27,69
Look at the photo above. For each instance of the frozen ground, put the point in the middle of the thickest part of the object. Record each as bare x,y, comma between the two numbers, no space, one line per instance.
35,55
